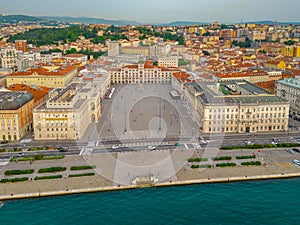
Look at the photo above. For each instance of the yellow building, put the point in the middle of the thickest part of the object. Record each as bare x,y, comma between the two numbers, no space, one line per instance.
46,77
297,51
275,65
136,50
15,114
251,25
192,29
287,51
68,112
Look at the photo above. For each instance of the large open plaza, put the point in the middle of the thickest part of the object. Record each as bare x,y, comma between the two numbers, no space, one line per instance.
142,111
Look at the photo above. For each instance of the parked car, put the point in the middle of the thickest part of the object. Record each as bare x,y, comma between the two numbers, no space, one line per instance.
296,162
290,151
62,149
151,147
115,147
247,142
21,154
296,150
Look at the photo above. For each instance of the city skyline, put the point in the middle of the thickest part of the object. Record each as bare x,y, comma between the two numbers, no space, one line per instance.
231,11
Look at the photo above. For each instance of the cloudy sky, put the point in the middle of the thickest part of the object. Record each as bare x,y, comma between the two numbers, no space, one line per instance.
226,11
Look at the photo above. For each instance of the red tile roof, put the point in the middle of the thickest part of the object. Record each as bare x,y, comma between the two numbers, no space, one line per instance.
37,92
42,71
183,76
242,74
75,55
267,85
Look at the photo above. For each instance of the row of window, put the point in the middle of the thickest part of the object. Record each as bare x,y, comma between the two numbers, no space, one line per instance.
235,128
56,129
8,128
258,116
9,137
63,136
222,122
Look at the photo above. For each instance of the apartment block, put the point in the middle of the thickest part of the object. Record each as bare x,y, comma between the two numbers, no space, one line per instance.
21,45
8,57
113,48
168,61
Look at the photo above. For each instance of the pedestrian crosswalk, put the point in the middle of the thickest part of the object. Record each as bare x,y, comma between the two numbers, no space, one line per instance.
143,144
90,147
86,151
140,137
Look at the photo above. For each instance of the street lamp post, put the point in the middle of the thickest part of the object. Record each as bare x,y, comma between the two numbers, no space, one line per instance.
125,119
159,115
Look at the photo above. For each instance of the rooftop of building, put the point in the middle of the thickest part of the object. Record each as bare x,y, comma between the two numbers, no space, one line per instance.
70,98
75,55
233,92
146,65
62,71
267,85
14,100
183,76
293,82
247,73
37,92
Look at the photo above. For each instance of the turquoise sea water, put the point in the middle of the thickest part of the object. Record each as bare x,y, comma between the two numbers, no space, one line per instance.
258,202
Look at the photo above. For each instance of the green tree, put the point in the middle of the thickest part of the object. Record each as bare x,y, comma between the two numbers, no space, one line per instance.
205,52
289,42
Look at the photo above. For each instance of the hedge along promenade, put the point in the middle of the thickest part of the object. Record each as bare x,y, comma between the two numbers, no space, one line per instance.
225,165
201,166
197,159
252,163
82,167
48,177
82,175
258,146
246,157
222,158
13,180
18,172
52,169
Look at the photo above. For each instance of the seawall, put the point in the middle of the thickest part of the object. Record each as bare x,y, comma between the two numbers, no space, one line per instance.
165,184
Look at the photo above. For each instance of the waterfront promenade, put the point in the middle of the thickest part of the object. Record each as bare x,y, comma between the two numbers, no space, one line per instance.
112,174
